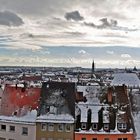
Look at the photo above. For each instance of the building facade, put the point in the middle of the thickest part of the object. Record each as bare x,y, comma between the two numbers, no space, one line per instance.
103,136
17,130
54,131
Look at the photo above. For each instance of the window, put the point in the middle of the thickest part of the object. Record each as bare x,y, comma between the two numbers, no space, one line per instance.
11,139
106,126
60,127
43,127
3,127
50,127
84,126
12,128
68,127
122,126
83,139
94,139
24,131
94,126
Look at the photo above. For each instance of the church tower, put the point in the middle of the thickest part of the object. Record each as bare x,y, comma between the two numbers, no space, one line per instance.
93,67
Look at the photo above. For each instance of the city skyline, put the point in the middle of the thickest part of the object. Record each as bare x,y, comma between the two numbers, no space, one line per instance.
70,33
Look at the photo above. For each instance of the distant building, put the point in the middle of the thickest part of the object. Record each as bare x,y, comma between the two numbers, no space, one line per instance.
135,68
131,80
93,67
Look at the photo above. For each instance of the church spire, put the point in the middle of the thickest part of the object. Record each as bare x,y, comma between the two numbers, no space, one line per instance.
93,67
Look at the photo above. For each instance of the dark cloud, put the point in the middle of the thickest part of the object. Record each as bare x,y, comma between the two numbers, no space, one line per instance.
90,24
74,15
8,18
109,24
99,8
105,23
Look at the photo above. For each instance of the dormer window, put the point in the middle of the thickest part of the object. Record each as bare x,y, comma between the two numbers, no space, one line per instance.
122,126
106,127
94,126
83,125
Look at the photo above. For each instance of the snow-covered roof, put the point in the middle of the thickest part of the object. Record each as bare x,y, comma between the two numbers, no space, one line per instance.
84,107
129,79
18,85
112,132
105,116
55,118
121,117
49,74
94,114
29,118
88,89
93,103
77,110
84,112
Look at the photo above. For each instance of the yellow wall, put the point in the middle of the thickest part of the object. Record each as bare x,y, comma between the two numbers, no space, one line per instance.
56,135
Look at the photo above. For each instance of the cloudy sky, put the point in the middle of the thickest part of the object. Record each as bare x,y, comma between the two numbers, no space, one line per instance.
70,33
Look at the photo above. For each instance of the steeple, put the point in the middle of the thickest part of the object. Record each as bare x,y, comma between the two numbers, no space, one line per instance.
93,67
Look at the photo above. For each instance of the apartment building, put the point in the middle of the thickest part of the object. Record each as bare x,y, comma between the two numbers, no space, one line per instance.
18,128
103,117
56,112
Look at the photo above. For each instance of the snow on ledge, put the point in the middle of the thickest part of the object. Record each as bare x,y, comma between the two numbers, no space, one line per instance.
53,118
102,132
27,119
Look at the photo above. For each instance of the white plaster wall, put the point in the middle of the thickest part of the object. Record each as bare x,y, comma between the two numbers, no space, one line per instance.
17,135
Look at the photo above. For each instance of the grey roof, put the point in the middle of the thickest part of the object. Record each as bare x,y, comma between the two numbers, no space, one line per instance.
129,79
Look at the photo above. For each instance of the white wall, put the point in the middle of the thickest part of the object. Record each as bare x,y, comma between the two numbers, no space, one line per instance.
17,135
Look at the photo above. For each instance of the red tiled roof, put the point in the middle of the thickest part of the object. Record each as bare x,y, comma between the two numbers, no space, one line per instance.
18,97
32,78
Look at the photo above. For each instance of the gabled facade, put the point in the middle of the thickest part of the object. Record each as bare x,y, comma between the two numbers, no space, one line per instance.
18,99
56,112
105,121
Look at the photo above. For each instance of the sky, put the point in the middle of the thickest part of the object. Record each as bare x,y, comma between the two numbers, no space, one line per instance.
70,33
